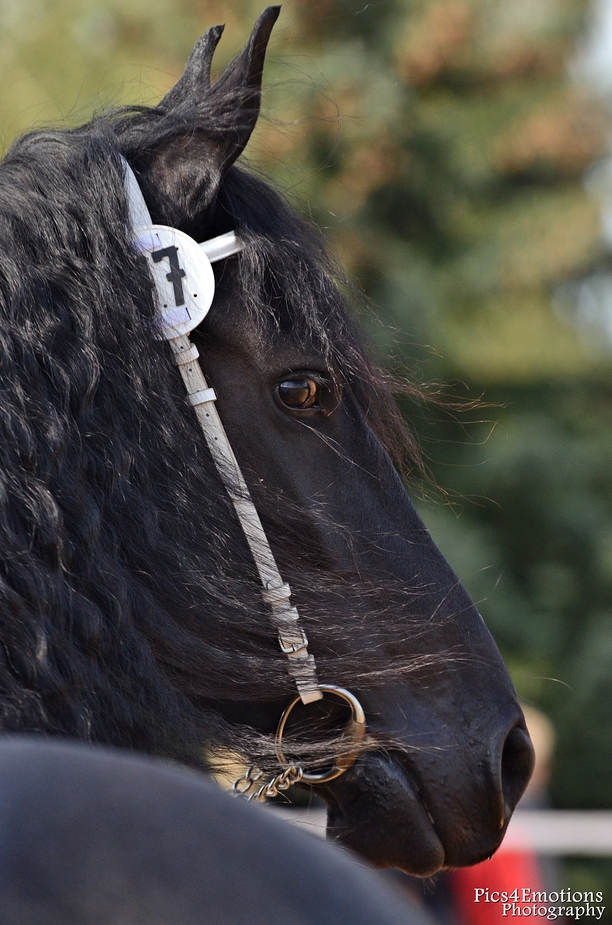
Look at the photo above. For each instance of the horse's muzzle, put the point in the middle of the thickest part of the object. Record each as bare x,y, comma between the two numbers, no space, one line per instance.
423,810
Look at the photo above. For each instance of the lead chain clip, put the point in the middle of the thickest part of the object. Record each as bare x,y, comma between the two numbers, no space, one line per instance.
257,786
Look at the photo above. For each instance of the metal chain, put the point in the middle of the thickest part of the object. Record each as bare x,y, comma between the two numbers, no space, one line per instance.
256,785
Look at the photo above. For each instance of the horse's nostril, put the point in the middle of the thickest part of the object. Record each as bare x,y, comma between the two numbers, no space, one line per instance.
516,766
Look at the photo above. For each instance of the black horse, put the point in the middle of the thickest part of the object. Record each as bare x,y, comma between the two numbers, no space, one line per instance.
91,836
129,601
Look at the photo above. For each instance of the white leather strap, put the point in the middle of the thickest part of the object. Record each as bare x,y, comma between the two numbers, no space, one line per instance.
275,592
202,396
226,245
285,618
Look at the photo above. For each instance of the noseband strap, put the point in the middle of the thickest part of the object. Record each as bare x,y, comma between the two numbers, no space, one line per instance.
184,295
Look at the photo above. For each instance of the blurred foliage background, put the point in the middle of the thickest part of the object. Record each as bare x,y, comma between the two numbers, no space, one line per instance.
454,161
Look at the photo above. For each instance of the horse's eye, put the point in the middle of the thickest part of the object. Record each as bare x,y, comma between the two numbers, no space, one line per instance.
299,393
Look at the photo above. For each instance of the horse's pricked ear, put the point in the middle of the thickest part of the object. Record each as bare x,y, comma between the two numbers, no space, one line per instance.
237,93
203,129
244,73
233,101
196,78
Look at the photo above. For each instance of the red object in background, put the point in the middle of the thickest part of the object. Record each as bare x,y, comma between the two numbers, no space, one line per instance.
507,871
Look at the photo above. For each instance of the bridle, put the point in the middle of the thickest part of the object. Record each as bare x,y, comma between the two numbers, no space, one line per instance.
185,286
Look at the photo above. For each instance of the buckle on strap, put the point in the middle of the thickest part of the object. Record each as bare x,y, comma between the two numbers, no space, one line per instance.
294,643
275,595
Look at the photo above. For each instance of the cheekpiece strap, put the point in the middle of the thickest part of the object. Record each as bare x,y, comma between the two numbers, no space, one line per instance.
184,284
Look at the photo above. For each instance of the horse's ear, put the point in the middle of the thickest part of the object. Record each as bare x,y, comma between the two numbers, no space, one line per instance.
196,78
220,119
237,92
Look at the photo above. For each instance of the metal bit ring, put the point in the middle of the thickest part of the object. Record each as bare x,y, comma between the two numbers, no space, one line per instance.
356,729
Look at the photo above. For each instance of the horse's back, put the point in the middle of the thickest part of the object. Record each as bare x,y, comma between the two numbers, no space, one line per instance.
93,836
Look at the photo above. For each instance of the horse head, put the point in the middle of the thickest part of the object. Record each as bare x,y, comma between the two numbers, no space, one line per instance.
144,626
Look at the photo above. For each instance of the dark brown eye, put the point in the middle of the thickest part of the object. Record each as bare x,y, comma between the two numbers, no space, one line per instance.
299,392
